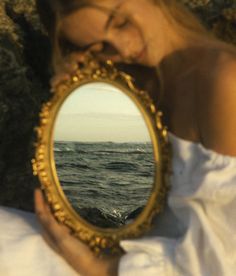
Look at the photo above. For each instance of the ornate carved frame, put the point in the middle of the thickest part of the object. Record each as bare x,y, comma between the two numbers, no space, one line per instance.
99,239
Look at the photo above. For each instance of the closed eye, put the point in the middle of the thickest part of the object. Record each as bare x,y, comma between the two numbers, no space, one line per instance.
100,48
124,23
108,49
69,47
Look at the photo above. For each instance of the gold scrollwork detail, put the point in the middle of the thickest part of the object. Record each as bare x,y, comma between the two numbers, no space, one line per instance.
96,238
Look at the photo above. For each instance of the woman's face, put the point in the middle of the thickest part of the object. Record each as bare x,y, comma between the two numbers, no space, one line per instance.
120,30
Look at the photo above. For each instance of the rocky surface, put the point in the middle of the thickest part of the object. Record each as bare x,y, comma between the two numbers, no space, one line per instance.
24,76
24,54
219,16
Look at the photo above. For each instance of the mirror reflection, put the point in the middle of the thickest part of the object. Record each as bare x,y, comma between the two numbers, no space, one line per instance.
103,155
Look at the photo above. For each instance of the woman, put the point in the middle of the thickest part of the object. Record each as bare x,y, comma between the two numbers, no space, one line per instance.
198,97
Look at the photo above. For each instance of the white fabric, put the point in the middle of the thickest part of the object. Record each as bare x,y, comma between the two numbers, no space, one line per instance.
23,251
195,236
200,222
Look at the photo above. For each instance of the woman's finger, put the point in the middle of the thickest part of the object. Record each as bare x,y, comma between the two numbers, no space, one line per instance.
78,57
59,238
58,79
41,212
70,65
54,231
44,213
76,253
40,206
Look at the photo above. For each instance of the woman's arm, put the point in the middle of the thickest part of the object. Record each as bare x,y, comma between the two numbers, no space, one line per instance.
76,253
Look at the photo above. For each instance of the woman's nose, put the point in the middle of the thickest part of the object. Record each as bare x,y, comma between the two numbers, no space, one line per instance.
96,48
116,50
123,49
122,45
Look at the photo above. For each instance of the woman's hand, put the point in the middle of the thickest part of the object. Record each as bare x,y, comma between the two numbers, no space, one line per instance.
69,65
76,253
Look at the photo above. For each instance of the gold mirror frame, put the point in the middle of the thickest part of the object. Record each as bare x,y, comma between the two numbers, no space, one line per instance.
99,239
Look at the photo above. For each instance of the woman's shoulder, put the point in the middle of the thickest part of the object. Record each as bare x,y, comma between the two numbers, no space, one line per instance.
226,65
216,104
223,79
218,62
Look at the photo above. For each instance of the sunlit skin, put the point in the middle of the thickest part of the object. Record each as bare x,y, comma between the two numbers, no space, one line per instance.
122,31
76,253
127,31
199,101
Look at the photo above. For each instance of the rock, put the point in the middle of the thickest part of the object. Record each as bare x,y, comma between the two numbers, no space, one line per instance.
24,78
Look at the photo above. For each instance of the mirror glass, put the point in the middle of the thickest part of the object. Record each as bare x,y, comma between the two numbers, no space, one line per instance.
103,155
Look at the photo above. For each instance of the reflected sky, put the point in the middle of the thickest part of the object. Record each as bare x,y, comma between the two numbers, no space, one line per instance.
99,112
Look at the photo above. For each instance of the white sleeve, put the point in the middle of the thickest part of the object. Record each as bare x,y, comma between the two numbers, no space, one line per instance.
23,251
203,199
207,246
151,257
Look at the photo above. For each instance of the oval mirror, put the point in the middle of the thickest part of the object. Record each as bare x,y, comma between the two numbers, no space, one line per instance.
102,156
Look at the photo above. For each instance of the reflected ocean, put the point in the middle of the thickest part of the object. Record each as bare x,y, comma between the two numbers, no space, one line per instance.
106,182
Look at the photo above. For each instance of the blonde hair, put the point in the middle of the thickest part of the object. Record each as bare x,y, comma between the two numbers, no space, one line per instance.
189,26
184,22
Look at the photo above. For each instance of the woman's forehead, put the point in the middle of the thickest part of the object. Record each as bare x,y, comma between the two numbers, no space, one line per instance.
84,24
93,13
104,4
88,24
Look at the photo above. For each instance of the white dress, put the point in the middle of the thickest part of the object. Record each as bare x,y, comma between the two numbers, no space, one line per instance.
195,236
23,252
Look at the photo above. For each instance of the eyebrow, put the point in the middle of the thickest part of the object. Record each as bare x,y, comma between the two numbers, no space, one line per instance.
112,15
107,25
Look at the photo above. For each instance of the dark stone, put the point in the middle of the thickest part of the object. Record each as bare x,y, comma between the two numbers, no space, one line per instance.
24,78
